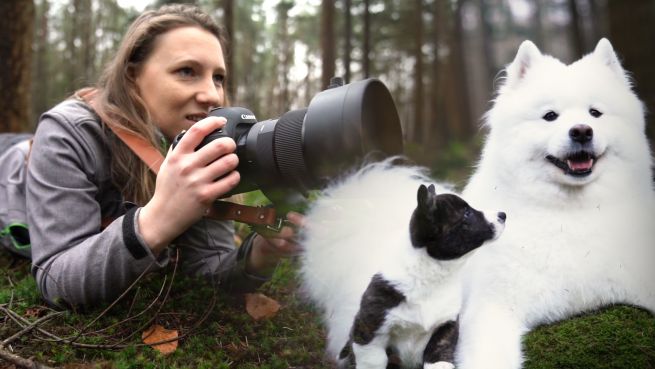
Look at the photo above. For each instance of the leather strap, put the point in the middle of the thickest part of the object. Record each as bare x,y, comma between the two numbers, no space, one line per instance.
220,210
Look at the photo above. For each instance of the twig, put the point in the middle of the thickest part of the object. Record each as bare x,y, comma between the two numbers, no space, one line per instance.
113,303
22,362
11,283
170,286
28,328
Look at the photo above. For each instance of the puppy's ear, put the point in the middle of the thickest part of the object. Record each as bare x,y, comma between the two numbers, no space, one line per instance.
421,197
431,189
526,56
605,53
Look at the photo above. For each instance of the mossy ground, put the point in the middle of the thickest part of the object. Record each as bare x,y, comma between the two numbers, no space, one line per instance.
613,338
225,336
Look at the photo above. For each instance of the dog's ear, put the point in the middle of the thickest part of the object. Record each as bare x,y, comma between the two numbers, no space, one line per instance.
424,197
421,196
525,58
605,53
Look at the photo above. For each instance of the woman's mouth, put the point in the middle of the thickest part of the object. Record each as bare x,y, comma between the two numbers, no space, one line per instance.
196,117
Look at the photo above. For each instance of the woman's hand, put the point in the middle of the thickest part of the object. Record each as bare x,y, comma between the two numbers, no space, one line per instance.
267,251
188,183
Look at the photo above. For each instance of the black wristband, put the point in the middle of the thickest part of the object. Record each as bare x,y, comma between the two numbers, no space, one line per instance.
130,238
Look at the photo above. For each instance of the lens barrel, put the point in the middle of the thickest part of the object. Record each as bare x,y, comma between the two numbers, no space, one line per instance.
305,148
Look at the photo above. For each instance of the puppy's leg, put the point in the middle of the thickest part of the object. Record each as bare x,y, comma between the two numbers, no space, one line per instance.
372,355
370,332
440,350
490,337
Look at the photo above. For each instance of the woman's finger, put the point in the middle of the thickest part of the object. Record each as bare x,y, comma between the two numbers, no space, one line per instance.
194,135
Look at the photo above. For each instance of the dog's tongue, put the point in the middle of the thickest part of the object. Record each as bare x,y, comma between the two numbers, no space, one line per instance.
580,166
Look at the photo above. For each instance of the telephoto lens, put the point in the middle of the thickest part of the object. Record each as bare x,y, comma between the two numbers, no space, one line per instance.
303,149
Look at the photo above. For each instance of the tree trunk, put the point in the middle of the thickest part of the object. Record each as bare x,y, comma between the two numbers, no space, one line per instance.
16,33
632,34
285,55
366,52
87,44
228,23
458,86
347,37
436,131
40,91
327,41
412,131
577,35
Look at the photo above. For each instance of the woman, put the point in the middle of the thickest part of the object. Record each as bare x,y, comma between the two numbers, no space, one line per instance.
168,73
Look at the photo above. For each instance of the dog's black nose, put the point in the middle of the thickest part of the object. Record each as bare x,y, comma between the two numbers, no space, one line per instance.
581,133
502,217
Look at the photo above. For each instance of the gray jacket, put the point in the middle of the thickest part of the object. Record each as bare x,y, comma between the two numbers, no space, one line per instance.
69,191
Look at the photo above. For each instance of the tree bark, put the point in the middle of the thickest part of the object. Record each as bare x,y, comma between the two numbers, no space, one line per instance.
347,38
413,132
327,41
366,52
632,34
16,33
228,23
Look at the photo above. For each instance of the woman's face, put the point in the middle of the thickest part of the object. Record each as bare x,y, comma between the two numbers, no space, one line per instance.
182,78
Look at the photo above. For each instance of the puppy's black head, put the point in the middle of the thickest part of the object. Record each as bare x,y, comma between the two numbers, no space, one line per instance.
447,226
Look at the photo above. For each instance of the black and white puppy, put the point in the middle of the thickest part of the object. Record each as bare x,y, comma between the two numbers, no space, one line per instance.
410,308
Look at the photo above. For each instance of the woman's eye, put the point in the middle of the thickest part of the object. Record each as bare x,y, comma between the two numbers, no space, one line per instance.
185,72
219,79
595,113
550,116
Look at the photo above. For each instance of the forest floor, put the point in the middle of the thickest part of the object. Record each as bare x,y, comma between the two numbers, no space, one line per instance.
217,332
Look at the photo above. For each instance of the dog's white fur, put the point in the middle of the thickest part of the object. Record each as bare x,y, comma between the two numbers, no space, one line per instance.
571,244
351,236
432,291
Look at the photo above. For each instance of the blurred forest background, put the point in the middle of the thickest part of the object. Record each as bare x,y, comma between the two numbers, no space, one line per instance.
440,58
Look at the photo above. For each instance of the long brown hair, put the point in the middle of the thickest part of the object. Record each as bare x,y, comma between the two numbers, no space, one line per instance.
118,101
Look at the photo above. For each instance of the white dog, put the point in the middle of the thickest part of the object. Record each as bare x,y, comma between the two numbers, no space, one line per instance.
568,161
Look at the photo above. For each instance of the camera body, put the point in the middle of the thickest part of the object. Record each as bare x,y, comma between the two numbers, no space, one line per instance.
305,148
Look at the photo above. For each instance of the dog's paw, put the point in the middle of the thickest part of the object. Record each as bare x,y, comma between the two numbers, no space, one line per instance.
439,365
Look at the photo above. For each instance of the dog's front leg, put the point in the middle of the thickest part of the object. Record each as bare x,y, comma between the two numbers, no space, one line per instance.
490,337
372,355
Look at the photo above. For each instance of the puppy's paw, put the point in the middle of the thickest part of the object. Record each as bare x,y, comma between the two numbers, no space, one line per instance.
439,365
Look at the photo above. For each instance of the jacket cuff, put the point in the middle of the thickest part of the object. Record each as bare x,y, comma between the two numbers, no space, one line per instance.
130,238
242,258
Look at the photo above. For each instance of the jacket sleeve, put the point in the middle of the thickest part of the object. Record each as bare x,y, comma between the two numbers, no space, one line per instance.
74,260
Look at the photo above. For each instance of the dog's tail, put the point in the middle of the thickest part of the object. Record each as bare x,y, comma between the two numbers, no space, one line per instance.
352,231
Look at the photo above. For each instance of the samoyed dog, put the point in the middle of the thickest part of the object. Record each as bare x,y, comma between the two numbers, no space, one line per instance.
567,159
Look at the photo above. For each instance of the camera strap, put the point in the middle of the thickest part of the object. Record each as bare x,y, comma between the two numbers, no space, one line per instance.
220,210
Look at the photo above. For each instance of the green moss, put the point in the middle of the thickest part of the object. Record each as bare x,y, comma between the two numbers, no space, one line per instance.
616,337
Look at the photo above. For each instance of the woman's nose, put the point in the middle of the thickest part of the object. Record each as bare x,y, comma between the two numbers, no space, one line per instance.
209,94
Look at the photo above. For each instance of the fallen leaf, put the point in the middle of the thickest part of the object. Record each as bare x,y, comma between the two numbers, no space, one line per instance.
35,312
260,306
157,333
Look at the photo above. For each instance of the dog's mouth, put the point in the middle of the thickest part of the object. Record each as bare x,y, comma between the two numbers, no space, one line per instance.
578,164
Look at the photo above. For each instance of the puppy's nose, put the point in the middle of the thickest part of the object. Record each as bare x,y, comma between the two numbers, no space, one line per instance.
581,133
502,217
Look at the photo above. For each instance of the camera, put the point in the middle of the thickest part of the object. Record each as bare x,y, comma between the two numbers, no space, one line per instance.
303,149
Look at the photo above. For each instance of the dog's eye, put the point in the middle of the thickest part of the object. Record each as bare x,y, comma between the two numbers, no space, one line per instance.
550,116
595,113
467,213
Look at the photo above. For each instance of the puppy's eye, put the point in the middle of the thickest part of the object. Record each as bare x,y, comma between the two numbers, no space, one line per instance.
595,113
550,116
467,213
